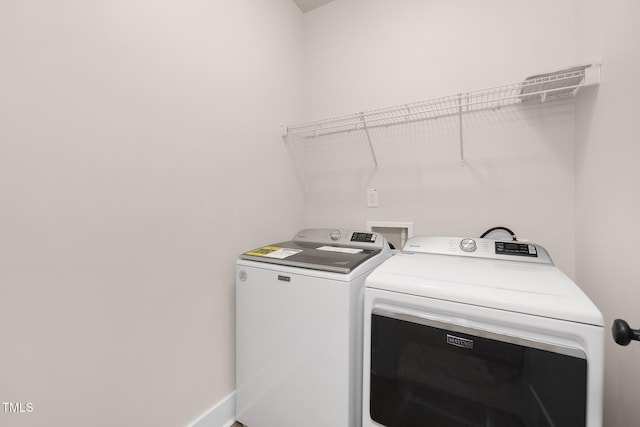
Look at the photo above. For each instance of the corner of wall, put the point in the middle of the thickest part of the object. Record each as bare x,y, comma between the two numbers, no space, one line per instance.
222,414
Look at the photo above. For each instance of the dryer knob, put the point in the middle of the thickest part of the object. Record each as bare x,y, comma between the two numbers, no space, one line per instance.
468,245
335,235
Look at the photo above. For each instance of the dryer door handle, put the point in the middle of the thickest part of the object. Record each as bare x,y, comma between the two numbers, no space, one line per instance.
622,332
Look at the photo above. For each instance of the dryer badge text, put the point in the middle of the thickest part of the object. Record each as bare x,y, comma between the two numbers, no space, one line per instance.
459,342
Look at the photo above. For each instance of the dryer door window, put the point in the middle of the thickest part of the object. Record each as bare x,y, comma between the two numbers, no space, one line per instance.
426,373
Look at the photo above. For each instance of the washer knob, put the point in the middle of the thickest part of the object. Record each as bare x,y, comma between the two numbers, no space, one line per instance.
468,245
335,235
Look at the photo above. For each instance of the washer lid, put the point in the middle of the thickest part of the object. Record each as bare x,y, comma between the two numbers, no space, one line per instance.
334,258
513,284
334,250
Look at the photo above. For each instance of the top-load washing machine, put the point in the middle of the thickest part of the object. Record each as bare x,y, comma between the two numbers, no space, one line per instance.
479,332
299,328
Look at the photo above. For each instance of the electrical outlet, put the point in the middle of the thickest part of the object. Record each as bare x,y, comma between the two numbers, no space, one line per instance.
372,198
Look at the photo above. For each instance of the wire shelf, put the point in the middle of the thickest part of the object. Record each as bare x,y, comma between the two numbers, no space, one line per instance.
543,87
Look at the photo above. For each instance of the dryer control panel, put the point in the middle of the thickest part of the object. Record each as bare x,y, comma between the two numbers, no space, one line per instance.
479,248
515,248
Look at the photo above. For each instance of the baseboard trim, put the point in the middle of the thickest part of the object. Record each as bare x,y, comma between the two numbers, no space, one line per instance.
222,414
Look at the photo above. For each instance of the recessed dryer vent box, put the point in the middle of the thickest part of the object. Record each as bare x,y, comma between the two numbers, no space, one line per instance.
397,233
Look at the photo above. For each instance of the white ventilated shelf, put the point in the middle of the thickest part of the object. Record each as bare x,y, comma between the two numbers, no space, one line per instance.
538,88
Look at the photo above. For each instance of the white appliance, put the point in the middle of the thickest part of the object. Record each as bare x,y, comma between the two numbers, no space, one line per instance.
479,332
299,329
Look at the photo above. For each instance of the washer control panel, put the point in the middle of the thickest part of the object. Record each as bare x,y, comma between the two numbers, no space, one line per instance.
363,237
342,237
515,248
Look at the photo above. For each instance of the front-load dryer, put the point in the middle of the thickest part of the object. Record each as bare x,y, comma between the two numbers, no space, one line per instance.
299,328
479,332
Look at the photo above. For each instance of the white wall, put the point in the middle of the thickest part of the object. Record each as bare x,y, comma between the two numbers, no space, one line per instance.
139,154
608,190
519,171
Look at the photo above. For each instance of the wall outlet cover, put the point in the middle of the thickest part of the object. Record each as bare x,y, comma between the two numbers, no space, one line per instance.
372,198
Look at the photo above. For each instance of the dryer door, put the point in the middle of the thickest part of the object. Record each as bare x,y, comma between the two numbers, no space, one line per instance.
429,373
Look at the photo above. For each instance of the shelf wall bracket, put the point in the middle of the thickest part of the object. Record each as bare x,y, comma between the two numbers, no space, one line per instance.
460,129
366,131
